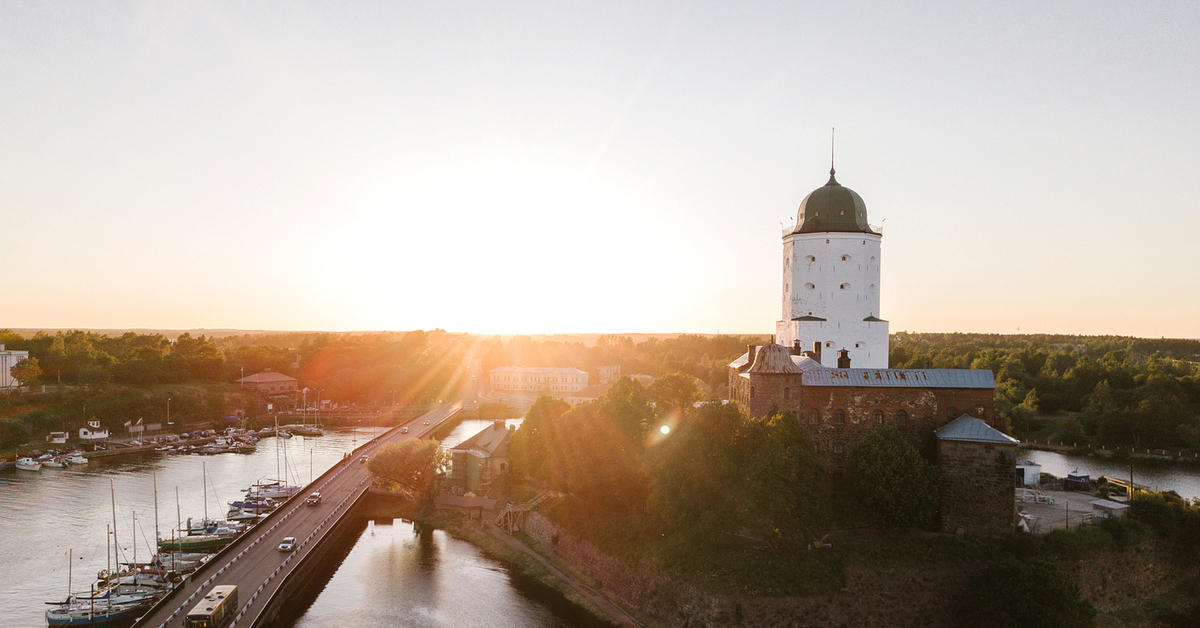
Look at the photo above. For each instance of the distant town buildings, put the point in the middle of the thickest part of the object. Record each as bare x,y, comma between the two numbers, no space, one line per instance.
609,374
591,393
9,359
270,383
538,379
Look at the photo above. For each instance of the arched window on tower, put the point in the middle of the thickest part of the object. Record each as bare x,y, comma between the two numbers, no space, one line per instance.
809,286
877,417
814,416
839,417
751,392
809,258
901,417
845,286
845,258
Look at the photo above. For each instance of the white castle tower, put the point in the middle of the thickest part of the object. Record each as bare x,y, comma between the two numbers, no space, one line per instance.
831,280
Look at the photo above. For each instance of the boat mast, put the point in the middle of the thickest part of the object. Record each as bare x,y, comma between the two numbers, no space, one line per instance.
135,538
116,548
178,521
70,564
204,479
154,474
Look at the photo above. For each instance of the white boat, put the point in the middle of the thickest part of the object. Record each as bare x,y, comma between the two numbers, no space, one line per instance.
271,490
77,459
28,464
53,463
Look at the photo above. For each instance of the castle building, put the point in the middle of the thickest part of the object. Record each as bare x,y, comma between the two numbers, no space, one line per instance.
831,303
831,261
839,406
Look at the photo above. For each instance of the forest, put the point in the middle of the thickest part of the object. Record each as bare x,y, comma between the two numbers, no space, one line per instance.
1113,391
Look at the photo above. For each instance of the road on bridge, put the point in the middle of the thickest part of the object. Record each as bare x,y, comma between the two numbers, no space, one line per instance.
254,563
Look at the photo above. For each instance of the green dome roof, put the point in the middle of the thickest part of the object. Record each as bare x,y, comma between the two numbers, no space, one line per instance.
832,207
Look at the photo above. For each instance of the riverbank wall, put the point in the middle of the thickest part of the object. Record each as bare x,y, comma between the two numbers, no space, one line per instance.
895,596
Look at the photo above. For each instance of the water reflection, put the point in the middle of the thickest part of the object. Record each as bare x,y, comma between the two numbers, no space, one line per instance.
1158,476
395,576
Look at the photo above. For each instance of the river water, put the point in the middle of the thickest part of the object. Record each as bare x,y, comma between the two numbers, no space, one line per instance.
1157,476
46,516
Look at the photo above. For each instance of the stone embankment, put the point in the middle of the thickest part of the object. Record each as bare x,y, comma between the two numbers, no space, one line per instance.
893,597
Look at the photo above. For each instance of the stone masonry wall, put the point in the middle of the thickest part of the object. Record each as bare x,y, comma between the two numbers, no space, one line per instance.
977,494
923,596
924,410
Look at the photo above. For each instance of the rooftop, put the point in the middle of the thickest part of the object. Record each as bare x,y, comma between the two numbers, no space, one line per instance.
266,377
970,429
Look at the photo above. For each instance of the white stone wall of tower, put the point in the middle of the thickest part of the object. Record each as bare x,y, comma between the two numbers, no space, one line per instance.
834,276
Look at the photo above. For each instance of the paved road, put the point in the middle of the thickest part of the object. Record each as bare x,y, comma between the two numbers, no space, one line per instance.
254,563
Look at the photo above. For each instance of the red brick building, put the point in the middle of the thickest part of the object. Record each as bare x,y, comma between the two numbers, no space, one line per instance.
838,406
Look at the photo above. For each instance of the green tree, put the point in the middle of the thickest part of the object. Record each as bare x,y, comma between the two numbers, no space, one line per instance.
784,482
26,371
675,392
719,472
411,468
894,485
530,442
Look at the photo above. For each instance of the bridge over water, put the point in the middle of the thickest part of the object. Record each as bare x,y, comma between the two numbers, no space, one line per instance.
264,576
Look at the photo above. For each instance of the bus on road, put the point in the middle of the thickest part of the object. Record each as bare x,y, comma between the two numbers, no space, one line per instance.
215,610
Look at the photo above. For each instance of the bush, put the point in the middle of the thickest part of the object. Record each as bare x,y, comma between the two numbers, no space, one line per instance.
1019,594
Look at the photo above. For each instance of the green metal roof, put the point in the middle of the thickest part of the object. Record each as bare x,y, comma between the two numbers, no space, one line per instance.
832,207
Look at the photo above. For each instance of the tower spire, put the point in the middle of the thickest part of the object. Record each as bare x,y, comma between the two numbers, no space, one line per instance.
832,137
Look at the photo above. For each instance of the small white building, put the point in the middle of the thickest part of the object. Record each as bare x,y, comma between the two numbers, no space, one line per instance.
1104,508
557,381
92,432
9,359
1029,473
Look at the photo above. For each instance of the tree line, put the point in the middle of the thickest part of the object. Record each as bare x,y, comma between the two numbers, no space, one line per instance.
1121,391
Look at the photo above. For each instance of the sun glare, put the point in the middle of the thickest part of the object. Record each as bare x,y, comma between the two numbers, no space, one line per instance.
507,250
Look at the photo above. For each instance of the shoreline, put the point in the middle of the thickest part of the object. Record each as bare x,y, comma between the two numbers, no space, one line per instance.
547,570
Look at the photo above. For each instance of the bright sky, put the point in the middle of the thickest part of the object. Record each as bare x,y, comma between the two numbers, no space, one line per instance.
504,167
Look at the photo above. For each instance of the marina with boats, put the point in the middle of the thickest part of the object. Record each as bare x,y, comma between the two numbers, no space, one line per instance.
140,560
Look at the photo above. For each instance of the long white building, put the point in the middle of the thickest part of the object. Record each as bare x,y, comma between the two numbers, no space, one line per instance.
831,262
552,379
